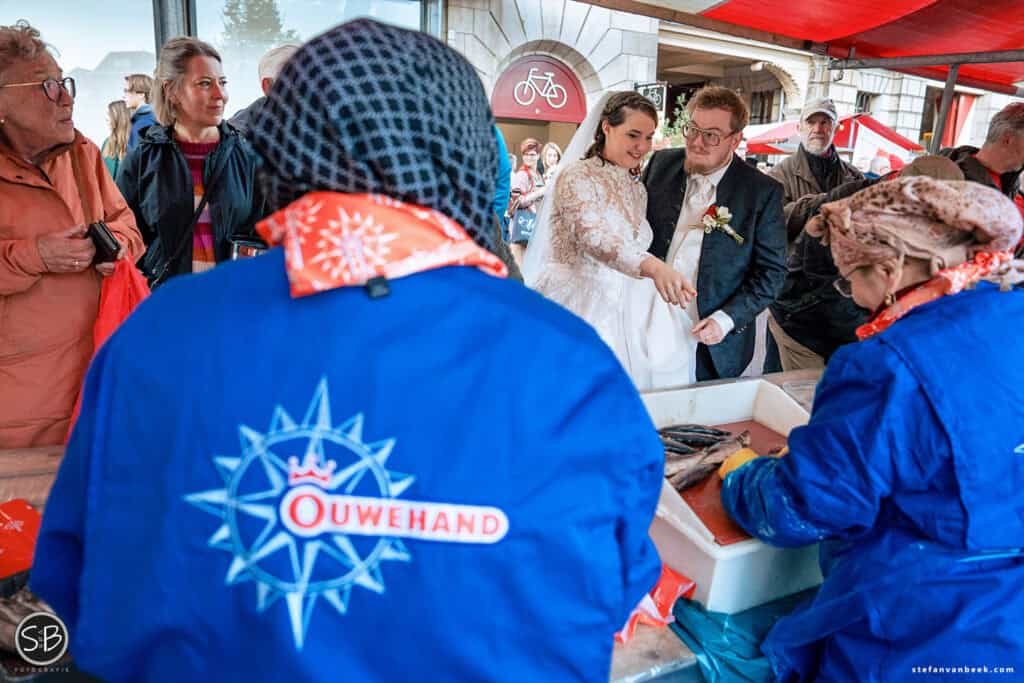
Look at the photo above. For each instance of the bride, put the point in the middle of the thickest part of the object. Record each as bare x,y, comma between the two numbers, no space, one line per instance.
589,247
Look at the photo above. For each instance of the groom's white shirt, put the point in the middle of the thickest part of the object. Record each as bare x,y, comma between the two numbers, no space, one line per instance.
684,251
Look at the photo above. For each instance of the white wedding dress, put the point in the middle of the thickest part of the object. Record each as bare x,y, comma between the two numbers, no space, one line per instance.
586,256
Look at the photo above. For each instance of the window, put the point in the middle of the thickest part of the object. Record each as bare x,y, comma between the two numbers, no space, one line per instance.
865,100
761,106
98,44
242,30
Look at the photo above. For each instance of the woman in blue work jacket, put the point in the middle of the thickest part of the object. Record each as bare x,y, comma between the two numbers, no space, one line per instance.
911,471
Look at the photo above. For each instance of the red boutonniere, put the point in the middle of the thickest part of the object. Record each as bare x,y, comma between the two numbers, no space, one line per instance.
717,218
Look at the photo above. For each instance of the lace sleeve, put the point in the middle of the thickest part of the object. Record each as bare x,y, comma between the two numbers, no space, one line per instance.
600,229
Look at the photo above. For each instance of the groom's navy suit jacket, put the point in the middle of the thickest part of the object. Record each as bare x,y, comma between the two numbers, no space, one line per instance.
741,280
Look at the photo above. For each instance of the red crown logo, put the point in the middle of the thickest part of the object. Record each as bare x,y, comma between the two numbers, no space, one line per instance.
310,472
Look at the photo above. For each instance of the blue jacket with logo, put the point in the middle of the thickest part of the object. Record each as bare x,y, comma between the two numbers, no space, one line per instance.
911,473
176,545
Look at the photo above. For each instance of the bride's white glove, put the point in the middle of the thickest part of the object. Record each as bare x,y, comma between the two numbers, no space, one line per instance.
673,287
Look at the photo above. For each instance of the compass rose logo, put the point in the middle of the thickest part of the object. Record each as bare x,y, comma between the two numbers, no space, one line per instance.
309,511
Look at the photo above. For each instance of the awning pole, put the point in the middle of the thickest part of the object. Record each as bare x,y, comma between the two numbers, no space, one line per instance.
947,102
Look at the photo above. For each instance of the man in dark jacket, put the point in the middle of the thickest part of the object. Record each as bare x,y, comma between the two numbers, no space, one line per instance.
736,275
136,96
999,162
815,166
810,320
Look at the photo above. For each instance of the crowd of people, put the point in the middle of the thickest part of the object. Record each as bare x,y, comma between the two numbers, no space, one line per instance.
728,269
363,361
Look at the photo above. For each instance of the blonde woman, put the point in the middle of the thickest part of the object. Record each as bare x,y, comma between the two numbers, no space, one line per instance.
191,180
116,145
550,156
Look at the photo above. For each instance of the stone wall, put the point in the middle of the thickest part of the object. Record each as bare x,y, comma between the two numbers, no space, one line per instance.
899,98
607,50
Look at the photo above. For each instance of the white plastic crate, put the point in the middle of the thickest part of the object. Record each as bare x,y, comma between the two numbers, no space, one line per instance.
735,577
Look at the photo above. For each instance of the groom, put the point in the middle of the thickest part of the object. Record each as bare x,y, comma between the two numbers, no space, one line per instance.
734,281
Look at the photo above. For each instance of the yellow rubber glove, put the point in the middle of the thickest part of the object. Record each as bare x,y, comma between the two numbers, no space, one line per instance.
736,460
784,451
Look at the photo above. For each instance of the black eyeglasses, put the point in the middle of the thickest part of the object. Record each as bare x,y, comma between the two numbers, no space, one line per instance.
842,284
51,86
711,138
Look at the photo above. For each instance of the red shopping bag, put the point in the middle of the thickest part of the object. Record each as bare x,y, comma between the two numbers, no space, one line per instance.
121,293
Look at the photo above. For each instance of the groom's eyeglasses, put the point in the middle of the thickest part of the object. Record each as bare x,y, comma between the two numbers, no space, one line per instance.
711,138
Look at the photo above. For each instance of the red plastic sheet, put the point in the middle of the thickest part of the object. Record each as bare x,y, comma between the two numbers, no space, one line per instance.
656,607
19,526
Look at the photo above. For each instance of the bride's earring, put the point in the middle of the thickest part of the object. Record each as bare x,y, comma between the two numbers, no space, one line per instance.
890,299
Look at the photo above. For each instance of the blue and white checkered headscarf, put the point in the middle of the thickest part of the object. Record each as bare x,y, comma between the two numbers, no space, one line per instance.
368,107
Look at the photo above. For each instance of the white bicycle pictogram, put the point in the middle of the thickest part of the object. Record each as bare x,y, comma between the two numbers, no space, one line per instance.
527,91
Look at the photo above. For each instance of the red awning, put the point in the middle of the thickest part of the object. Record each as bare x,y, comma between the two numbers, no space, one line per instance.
874,28
774,140
783,138
846,135
895,28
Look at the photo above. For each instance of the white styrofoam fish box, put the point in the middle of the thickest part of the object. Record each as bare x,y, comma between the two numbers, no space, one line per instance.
738,576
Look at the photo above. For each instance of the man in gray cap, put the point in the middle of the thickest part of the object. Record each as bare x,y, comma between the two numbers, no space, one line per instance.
815,166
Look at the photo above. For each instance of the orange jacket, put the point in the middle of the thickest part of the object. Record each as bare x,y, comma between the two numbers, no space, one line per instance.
46,318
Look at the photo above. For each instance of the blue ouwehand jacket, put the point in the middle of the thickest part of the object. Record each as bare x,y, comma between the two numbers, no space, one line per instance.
429,537
911,473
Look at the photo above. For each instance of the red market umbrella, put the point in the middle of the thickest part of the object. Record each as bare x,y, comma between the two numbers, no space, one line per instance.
783,138
779,138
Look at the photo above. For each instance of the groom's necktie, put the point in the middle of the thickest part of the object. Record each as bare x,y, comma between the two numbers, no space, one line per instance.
684,254
700,194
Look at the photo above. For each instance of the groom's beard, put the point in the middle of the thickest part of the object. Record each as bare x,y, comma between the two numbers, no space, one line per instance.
695,167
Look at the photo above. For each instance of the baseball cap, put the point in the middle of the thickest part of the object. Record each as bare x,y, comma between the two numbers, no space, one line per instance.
820,105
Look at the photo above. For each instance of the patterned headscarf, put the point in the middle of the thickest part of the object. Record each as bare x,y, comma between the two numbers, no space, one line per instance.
372,108
943,222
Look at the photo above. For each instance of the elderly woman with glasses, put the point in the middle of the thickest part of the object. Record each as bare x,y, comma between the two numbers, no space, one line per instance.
53,184
911,471
331,463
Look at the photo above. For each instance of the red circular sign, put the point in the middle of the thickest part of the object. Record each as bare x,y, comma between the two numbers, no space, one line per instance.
539,88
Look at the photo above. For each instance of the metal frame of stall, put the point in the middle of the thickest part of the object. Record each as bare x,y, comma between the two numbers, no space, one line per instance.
954,62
